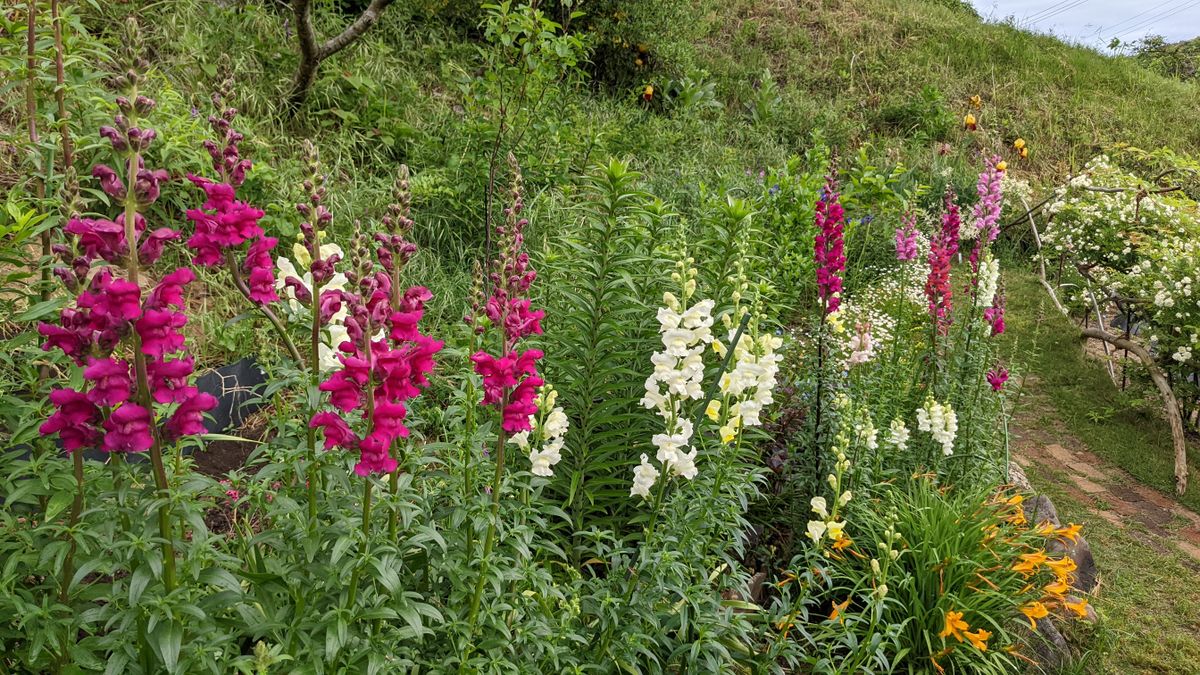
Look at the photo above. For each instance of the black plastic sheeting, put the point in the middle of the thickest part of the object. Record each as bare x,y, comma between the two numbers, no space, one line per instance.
237,388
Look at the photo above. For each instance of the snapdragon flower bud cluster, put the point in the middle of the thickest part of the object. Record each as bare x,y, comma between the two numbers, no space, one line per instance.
748,387
906,238
510,379
227,230
940,421
111,318
546,437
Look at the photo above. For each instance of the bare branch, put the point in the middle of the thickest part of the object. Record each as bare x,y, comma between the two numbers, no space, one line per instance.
312,54
1164,387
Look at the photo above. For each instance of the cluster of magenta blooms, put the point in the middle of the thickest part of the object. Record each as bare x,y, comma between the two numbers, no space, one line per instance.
385,360
829,246
136,372
944,245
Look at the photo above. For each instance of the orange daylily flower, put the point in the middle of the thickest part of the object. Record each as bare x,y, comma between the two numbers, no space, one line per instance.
1034,610
1045,528
1024,152
1015,500
954,626
979,639
838,608
1030,562
841,543
1019,143
976,101
1058,589
1002,166
1062,567
1079,608
1071,531
648,92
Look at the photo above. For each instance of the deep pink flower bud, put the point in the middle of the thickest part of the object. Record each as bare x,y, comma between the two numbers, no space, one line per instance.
147,186
303,295
169,291
128,429
110,182
151,248
115,137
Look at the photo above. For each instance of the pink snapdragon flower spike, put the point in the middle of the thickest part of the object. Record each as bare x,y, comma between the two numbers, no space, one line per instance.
986,214
994,315
227,230
510,376
906,238
115,330
829,246
941,254
384,358
997,377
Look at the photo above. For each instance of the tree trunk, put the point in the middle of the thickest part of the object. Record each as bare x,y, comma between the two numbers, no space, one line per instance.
312,54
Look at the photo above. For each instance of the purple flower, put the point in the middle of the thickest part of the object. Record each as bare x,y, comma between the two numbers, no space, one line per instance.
906,238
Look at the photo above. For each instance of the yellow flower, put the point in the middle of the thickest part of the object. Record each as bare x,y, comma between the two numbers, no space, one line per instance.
1002,166
954,626
1019,143
1029,562
1015,500
969,122
1057,589
836,528
842,542
1079,608
976,101
1045,529
1071,531
834,319
638,62
1062,568
713,411
718,347
838,608
728,433
648,92
1024,152
979,639
1033,611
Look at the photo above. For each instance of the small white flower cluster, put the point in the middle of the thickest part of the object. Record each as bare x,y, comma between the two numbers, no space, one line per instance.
989,279
940,421
327,350
899,434
749,384
1183,354
678,377
862,347
549,435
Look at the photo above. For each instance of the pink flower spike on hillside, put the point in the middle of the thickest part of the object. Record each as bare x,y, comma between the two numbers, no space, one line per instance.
829,246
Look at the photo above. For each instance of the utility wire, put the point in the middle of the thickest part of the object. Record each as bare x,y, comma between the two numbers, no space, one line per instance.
1062,10
1157,18
1133,19
1052,10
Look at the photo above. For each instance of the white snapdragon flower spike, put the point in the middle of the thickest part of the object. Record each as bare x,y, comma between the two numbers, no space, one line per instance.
819,506
544,442
327,350
678,377
751,380
989,279
644,476
940,421
899,434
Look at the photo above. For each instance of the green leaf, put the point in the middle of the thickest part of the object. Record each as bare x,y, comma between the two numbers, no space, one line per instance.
137,583
41,309
57,504
166,639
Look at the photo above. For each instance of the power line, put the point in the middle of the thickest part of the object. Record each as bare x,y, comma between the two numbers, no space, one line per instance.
1052,10
1159,17
1133,19
1061,10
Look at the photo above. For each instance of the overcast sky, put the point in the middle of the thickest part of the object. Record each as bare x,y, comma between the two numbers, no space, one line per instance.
1096,22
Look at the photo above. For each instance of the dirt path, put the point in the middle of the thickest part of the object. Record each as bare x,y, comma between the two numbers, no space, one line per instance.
1106,490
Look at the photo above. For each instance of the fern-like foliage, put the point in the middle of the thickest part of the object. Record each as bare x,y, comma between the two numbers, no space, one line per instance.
601,329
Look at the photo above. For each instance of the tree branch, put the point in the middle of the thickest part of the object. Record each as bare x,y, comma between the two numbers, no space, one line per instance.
312,54
1168,397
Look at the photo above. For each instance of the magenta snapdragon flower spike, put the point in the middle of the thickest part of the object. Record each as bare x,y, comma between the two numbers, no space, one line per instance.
994,315
942,249
378,376
829,246
997,377
115,330
510,377
906,238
